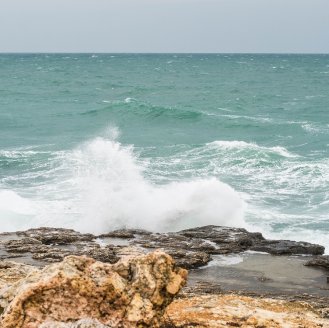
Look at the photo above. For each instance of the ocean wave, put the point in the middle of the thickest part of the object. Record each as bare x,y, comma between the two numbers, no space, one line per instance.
251,118
273,181
116,194
14,154
15,211
11,201
143,109
314,129
102,187
242,145
277,224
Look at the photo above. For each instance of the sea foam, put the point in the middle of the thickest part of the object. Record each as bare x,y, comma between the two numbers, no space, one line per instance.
115,194
15,211
101,186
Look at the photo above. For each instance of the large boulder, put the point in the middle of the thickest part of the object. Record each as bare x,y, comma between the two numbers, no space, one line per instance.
134,292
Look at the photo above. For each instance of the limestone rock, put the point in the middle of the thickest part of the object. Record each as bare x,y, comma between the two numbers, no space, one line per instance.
10,272
222,311
134,292
84,323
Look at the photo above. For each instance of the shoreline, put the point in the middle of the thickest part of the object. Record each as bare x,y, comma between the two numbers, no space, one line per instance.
233,258
225,265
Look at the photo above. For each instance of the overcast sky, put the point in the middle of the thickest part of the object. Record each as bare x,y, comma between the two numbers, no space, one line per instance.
300,26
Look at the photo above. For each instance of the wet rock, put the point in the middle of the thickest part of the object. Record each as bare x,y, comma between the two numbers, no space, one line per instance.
222,234
191,248
201,288
287,247
56,235
70,243
125,233
222,240
189,260
319,261
174,240
134,292
234,240
22,245
263,278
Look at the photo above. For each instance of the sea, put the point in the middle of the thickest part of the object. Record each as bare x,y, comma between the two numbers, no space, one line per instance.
163,142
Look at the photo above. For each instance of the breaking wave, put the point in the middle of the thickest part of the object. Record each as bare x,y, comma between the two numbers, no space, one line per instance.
100,186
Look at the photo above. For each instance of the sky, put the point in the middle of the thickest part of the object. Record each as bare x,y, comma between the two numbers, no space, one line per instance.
158,26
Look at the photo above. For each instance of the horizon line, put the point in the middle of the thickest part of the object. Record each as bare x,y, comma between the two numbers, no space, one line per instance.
159,53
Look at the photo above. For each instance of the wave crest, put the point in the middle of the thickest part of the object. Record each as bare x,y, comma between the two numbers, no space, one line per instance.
100,186
115,194
242,145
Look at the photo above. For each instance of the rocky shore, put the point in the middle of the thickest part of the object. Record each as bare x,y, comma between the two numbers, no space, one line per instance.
191,248
236,278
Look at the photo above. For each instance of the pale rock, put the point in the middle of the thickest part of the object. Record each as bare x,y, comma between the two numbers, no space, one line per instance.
134,292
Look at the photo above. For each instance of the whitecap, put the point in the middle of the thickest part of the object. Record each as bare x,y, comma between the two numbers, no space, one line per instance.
115,194
101,186
240,145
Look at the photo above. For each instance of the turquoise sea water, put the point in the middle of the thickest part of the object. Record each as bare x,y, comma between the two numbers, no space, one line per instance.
162,142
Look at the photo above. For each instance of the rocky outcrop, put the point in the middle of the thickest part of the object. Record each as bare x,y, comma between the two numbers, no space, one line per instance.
222,311
82,292
287,247
319,261
10,272
191,248
47,245
133,286
59,236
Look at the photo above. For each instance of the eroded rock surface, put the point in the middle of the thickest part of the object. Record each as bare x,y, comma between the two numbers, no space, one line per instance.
319,261
222,311
47,245
191,248
83,323
134,292
287,247
49,236
95,293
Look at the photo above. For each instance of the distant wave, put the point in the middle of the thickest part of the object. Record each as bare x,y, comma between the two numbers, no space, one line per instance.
251,118
143,109
240,145
315,129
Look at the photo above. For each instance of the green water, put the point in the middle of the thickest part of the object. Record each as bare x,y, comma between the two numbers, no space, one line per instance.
154,141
